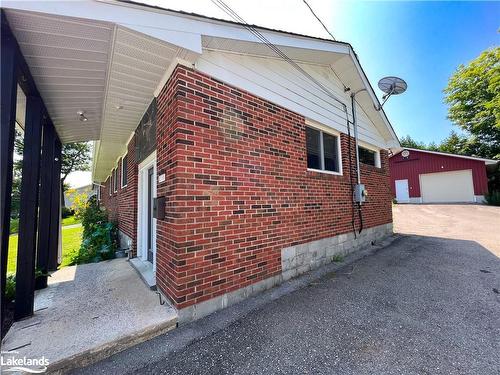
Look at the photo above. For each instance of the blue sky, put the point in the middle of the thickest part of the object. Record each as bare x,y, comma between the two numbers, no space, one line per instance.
422,42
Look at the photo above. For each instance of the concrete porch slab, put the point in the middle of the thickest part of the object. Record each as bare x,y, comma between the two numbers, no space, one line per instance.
145,271
87,313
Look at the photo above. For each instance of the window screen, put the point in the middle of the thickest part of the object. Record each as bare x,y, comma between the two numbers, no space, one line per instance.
367,156
330,152
313,148
322,150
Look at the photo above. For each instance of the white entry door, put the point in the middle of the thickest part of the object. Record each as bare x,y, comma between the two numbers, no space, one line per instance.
146,228
442,187
402,192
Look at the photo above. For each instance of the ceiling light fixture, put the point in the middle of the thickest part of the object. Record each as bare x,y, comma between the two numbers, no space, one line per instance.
81,116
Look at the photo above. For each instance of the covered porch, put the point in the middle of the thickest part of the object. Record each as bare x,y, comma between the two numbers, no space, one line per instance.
72,79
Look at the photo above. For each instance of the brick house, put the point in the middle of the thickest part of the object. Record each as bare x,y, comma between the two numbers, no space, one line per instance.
227,168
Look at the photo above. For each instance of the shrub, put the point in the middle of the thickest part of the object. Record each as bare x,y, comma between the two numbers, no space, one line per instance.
493,198
99,238
92,216
14,226
66,212
80,204
338,258
10,288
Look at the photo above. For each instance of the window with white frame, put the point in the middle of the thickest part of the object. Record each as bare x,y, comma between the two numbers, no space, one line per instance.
98,192
369,156
322,150
115,180
110,184
124,171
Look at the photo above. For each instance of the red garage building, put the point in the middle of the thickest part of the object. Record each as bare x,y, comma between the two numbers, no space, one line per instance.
420,176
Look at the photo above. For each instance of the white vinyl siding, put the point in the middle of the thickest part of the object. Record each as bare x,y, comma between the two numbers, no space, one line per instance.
278,82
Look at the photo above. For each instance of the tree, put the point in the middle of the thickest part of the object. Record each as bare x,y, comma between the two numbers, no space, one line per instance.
75,157
473,96
455,144
409,142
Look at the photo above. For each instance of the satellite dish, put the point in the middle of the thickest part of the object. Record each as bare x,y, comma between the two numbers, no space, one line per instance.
391,86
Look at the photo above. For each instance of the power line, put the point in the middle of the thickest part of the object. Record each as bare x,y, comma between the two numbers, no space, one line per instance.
224,7
319,20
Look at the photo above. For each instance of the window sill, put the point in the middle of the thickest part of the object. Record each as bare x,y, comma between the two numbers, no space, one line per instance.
124,186
324,172
372,167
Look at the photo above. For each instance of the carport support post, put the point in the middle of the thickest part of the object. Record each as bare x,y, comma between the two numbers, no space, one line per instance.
55,207
8,98
28,213
44,217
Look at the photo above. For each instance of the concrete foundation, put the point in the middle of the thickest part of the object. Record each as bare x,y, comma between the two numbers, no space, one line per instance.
295,260
125,241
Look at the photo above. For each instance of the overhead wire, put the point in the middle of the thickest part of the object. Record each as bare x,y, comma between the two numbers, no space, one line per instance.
353,103
319,20
224,7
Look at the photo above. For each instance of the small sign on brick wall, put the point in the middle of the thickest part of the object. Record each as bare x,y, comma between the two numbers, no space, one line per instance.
161,178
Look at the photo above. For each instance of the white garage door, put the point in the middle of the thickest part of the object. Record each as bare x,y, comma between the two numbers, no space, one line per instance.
444,187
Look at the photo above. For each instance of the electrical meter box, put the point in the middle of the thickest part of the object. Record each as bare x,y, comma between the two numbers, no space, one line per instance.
360,193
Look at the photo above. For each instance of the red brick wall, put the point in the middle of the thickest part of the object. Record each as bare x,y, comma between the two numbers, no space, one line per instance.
122,205
238,189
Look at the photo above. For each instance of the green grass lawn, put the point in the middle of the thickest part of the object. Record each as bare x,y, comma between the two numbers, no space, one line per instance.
70,220
71,240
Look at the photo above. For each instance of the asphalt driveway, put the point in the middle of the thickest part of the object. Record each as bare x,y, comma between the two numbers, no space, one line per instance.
469,222
426,304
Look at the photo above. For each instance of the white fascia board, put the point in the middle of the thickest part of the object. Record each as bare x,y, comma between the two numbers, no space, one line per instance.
168,73
227,29
95,152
